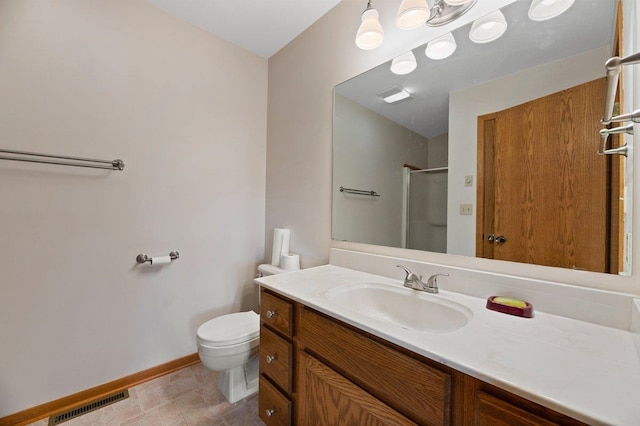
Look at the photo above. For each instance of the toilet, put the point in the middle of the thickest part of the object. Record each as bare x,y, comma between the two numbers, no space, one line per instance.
230,344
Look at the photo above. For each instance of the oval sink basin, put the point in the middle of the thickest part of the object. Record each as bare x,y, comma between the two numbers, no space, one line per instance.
405,307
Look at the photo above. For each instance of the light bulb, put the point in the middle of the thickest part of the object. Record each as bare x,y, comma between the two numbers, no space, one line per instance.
442,47
404,63
370,34
541,10
488,28
412,14
488,25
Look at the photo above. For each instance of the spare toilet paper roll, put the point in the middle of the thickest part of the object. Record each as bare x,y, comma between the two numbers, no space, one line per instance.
160,260
280,245
286,235
290,262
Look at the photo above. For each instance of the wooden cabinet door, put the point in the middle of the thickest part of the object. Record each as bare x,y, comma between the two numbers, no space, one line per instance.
327,398
491,411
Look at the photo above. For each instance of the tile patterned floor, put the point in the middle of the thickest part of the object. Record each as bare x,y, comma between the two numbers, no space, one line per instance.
184,398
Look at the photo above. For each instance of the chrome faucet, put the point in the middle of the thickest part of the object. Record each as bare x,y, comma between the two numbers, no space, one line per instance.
415,282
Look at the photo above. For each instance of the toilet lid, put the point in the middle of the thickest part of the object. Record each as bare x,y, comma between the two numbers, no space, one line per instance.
230,329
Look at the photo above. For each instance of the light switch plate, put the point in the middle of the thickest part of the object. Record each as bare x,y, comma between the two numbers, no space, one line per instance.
468,180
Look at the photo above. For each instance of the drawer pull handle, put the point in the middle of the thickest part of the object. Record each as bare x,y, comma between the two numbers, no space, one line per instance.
271,411
271,314
270,358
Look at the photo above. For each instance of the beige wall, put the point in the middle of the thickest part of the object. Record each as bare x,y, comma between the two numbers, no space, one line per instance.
186,111
301,78
371,160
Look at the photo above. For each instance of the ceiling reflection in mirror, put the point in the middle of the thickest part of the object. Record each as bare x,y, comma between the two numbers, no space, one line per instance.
421,157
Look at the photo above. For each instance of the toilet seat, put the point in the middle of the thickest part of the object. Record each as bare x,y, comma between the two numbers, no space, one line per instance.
229,330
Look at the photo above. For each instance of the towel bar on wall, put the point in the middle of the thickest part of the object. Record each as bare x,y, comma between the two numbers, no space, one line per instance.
74,161
359,192
142,258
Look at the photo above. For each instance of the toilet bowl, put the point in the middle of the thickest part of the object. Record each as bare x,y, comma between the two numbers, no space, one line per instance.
230,344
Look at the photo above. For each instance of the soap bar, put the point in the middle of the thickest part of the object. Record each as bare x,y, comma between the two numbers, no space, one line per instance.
510,301
511,306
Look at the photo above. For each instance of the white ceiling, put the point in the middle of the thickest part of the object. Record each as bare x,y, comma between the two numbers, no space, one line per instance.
260,26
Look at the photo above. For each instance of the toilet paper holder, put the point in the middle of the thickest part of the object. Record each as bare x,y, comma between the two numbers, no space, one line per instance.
142,258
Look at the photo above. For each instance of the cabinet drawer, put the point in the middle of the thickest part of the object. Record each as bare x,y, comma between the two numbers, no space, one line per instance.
276,313
492,411
275,358
274,408
417,390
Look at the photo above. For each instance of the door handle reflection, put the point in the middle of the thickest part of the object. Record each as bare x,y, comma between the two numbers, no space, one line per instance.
499,239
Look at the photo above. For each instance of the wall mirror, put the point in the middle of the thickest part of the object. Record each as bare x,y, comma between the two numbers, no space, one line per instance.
493,151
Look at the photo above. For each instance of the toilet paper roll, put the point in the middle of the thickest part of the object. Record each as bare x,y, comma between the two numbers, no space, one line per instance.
160,260
280,245
286,235
290,262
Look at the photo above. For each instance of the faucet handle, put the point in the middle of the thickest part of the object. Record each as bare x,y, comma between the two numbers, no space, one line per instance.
406,270
433,279
410,275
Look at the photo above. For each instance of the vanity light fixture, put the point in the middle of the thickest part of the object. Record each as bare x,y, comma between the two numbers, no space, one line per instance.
541,10
395,94
411,14
370,34
488,28
404,63
442,47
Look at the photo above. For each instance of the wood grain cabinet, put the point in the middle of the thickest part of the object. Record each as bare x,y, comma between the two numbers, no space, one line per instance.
276,360
492,411
330,399
316,370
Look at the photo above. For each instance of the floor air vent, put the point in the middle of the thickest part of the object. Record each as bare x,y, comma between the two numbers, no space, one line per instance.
87,408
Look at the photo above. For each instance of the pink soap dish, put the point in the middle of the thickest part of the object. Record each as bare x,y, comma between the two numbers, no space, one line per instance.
526,312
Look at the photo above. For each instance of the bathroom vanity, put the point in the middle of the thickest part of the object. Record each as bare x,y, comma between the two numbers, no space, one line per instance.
323,362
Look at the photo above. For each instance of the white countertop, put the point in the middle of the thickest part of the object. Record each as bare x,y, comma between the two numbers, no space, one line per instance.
586,371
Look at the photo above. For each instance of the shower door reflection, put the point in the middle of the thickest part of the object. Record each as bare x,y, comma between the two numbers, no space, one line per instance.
426,225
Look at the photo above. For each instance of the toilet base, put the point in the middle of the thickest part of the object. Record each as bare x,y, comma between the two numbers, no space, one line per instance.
239,382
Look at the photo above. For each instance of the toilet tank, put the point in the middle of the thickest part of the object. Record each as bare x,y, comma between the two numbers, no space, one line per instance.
265,270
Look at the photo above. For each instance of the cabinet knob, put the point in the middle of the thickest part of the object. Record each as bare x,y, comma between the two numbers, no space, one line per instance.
270,358
271,314
270,411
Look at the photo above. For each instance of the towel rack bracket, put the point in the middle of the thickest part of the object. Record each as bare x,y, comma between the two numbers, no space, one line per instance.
118,164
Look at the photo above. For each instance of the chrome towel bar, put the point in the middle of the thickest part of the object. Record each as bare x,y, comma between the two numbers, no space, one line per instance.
73,161
142,258
359,192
